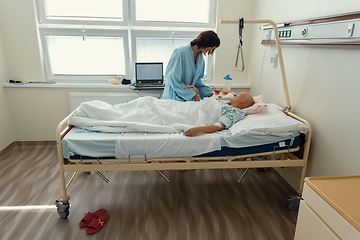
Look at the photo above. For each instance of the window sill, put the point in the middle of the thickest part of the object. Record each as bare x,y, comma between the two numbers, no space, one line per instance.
67,85
95,85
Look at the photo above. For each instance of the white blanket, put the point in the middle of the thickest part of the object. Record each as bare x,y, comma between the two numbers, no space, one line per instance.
149,114
146,114
159,145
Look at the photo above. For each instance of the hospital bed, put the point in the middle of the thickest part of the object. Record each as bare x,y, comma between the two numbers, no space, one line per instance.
287,149
81,150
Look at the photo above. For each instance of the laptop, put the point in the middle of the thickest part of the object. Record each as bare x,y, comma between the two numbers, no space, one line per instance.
149,76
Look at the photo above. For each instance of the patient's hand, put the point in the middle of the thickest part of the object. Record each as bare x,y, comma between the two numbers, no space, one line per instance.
192,132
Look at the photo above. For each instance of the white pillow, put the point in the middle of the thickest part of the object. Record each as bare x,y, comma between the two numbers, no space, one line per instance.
269,120
257,107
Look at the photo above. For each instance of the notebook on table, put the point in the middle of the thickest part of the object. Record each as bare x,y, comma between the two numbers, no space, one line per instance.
149,76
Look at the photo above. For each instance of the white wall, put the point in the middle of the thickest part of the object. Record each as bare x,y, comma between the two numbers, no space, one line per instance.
36,112
323,83
21,47
6,132
225,55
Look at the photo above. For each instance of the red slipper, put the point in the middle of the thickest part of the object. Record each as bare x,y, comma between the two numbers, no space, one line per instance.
86,219
97,223
97,213
89,216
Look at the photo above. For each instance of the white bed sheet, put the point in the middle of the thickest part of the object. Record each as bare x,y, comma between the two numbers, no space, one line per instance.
157,145
98,144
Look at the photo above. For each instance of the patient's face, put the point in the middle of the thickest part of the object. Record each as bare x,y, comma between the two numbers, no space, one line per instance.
242,100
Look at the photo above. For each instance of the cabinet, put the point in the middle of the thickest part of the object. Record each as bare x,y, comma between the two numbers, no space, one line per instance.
329,209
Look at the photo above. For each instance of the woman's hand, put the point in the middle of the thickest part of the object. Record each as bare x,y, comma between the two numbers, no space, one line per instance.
197,96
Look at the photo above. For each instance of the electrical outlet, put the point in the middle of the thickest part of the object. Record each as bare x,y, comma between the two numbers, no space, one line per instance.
274,60
350,29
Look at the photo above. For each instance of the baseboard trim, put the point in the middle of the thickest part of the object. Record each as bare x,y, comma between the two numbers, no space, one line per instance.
34,143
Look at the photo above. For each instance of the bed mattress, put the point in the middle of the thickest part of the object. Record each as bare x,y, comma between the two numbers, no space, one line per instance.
80,142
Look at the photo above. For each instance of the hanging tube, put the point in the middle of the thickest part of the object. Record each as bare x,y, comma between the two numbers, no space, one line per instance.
278,46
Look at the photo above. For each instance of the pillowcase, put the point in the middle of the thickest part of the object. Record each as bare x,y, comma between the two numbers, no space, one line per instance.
270,120
257,107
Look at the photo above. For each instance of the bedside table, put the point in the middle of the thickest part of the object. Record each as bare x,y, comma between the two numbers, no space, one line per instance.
330,209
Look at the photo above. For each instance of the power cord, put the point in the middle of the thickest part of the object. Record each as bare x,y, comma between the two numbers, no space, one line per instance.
262,67
132,88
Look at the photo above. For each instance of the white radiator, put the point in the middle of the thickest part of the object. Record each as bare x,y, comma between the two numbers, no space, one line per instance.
76,98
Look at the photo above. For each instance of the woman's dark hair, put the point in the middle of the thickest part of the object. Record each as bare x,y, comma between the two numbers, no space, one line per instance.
206,39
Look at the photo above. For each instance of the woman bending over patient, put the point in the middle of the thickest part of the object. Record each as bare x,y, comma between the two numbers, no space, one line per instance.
186,67
231,112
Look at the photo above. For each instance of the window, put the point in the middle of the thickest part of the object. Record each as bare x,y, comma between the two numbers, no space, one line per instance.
97,55
184,11
90,41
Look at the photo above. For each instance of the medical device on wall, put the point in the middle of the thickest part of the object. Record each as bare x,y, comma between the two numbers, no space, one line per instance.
278,46
340,29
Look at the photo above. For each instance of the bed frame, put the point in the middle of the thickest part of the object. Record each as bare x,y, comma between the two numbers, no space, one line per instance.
279,158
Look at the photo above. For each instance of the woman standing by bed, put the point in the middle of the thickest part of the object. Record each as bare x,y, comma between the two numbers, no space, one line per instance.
186,67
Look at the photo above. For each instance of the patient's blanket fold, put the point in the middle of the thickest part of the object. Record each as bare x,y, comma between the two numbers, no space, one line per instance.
146,114
159,145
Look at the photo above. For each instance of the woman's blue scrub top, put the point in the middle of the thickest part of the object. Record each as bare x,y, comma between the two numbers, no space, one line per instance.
182,71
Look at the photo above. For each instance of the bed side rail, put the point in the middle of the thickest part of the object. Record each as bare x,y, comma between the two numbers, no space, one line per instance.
306,144
291,114
61,131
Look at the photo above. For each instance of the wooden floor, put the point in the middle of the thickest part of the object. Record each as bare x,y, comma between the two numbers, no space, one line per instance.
196,204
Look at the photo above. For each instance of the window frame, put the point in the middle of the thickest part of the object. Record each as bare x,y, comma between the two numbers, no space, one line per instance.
44,32
210,24
129,29
42,18
168,34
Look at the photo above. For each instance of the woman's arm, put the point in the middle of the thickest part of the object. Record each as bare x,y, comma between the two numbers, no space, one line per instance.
191,132
197,96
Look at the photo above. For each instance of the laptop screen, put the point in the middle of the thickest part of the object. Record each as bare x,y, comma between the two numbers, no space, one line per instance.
149,73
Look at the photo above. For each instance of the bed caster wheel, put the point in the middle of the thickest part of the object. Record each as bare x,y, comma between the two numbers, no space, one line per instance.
62,208
293,203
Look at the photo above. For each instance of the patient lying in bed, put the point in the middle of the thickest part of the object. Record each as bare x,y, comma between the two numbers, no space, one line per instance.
148,114
231,112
